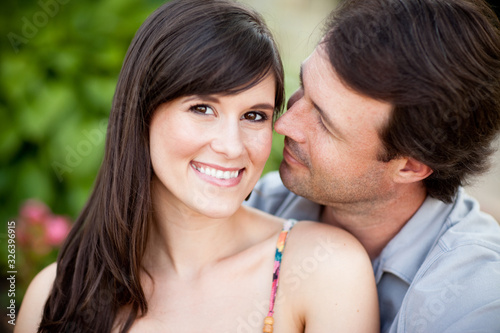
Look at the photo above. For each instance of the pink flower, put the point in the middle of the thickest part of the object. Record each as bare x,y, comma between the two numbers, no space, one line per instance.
39,230
34,212
22,234
56,229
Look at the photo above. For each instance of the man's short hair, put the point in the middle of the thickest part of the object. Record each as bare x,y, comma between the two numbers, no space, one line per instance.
438,63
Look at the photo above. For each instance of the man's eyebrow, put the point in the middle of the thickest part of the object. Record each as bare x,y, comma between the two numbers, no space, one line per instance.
322,113
301,77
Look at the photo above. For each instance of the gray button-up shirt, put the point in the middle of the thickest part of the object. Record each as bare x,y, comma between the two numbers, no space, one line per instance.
440,273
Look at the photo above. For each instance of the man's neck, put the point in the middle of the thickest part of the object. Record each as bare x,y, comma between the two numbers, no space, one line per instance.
375,225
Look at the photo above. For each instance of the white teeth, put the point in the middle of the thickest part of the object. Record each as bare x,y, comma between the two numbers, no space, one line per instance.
219,174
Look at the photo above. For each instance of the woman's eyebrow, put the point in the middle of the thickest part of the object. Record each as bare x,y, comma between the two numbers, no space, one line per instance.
210,98
213,99
263,106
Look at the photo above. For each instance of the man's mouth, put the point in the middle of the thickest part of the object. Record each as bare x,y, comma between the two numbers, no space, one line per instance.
289,152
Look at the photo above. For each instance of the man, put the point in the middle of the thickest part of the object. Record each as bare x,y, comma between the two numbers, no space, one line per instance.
398,107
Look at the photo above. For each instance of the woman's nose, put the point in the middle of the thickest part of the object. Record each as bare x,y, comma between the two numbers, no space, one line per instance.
228,140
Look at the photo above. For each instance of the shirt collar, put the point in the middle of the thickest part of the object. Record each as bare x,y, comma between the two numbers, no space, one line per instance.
405,253
299,208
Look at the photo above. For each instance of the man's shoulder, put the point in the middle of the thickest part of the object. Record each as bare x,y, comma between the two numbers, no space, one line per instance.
468,226
468,246
456,287
455,290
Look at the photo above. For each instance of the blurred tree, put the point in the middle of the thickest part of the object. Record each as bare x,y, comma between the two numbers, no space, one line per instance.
59,65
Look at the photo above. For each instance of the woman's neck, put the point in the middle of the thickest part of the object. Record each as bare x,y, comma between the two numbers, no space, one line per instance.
184,243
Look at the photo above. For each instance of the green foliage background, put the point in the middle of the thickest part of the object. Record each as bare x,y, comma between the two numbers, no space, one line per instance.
57,85
59,64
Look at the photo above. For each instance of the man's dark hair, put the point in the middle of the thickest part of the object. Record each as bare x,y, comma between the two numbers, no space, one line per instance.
438,63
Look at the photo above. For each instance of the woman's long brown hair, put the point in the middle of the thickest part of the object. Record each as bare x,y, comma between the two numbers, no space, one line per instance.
185,47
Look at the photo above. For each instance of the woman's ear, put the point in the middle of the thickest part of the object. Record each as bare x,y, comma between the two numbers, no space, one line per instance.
409,170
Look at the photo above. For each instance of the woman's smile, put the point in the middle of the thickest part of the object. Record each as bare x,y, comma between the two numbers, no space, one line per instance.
217,175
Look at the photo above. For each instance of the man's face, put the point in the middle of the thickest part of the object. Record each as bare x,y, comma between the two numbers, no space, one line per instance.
332,139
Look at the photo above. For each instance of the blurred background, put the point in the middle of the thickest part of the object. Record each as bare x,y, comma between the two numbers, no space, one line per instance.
59,64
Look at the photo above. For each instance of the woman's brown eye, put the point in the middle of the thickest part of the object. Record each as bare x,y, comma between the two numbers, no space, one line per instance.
254,116
203,109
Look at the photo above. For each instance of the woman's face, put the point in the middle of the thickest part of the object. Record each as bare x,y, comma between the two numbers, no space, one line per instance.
208,151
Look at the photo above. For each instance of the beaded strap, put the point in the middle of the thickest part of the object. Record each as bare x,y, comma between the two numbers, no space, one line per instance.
269,320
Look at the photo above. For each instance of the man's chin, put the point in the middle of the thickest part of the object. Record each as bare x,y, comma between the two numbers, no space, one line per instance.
289,178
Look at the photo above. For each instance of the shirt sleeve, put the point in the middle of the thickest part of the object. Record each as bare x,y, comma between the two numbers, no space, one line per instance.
457,291
269,194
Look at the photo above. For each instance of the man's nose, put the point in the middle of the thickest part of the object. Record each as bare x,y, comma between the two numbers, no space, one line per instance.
292,122
294,98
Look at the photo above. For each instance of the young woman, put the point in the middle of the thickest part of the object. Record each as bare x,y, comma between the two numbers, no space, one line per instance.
164,244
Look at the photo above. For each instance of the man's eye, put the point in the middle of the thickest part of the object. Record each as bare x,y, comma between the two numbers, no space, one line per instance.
254,116
203,109
322,124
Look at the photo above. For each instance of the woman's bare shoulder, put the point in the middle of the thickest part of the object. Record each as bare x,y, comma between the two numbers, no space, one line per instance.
34,300
313,238
330,250
332,278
